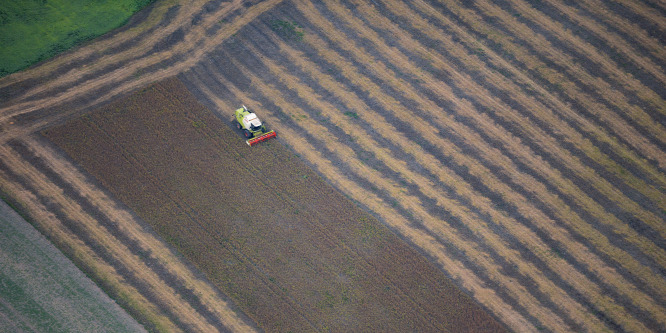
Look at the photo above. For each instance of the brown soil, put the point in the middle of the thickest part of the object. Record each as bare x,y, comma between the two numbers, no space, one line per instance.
518,145
292,252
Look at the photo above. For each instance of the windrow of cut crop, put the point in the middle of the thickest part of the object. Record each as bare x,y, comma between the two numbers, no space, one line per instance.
353,102
61,226
540,193
653,220
136,42
526,124
140,71
620,34
613,43
127,224
321,160
336,27
381,129
615,73
554,43
574,128
645,11
567,80
533,131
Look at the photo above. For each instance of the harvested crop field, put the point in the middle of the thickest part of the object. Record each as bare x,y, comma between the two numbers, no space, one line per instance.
289,250
42,291
517,145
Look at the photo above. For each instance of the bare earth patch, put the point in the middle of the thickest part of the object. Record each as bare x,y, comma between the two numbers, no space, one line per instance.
290,251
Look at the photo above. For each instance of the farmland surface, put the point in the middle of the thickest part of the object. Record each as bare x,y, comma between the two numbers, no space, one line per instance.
290,251
42,291
518,145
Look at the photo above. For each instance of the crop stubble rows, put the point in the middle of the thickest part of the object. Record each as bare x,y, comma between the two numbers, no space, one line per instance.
560,211
520,146
291,252
107,242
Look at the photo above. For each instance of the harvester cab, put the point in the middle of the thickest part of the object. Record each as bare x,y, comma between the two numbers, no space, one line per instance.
252,128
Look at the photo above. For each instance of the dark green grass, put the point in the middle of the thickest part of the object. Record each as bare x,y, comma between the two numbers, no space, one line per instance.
35,30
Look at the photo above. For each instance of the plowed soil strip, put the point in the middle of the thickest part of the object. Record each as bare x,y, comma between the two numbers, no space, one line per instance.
458,270
118,252
137,233
105,274
290,265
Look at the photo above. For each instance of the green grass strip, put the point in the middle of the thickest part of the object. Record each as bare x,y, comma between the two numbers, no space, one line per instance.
35,30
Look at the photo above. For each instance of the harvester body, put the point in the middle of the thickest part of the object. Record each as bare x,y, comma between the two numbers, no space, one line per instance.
253,129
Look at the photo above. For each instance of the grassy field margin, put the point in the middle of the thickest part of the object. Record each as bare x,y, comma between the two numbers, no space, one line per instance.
32,31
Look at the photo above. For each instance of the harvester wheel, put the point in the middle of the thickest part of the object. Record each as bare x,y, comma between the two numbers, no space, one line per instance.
247,134
238,125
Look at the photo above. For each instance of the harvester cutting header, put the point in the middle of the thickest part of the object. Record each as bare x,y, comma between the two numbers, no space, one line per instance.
252,127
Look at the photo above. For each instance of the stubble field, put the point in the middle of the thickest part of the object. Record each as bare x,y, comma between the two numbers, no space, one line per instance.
519,146
291,252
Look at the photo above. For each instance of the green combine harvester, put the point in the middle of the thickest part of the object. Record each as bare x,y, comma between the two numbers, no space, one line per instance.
252,127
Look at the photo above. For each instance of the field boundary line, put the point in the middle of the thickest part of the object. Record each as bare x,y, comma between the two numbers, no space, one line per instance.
139,52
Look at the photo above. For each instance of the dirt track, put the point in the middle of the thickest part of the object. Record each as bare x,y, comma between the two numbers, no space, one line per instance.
538,182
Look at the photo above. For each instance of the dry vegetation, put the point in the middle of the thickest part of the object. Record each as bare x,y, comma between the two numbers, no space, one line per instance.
519,145
290,251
